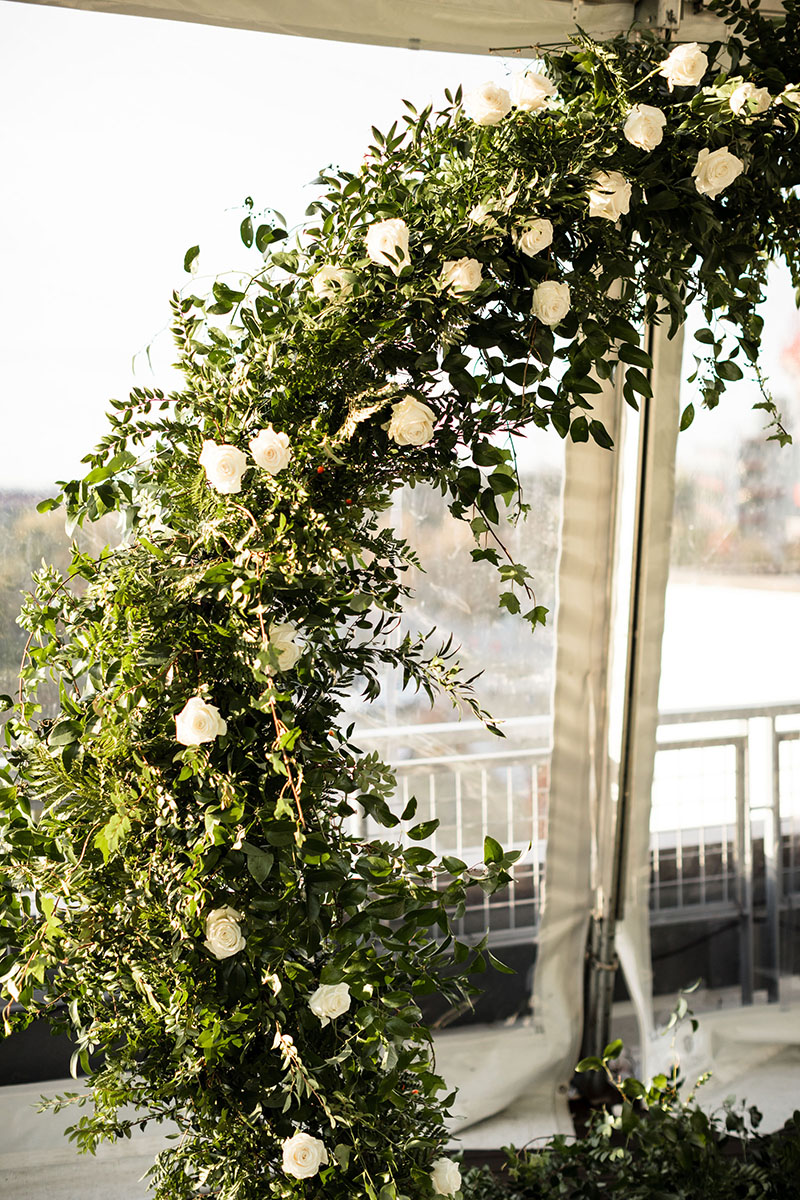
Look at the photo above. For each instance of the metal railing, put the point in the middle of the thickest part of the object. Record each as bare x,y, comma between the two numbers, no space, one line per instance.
738,769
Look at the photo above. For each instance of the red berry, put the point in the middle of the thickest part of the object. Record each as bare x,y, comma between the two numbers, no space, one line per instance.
320,470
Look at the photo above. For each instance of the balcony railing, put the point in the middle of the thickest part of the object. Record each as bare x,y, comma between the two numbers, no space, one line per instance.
725,821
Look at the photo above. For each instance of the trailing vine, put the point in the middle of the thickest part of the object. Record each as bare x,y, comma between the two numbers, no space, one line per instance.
202,884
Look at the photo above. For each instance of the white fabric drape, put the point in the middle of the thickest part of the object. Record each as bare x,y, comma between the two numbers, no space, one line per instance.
466,26
579,778
657,500
461,26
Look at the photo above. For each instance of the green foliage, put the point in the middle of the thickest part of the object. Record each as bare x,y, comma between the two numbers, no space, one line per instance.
652,1145
121,843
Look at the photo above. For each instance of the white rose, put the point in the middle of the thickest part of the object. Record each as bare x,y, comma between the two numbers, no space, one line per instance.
531,91
481,213
303,1155
329,1001
715,170
445,1177
198,722
551,302
271,450
645,126
487,104
411,423
533,236
609,196
790,95
685,66
386,238
332,283
225,466
461,275
223,935
747,99
281,642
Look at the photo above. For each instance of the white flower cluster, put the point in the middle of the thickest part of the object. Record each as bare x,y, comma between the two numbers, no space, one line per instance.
225,464
489,103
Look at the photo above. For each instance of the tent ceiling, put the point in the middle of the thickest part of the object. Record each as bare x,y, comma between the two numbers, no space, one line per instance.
468,26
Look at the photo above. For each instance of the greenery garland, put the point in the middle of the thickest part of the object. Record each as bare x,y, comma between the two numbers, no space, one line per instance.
185,891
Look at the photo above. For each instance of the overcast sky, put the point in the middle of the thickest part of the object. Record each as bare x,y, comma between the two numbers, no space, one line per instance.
125,141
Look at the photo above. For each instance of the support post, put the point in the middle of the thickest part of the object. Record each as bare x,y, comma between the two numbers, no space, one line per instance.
641,569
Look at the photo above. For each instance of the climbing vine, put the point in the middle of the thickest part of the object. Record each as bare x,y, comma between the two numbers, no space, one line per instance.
204,883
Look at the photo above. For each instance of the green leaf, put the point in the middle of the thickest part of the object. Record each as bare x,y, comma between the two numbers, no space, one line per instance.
729,370
687,416
600,434
46,505
115,830
499,966
639,382
537,615
636,356
424,830
342,1155
65,732
661,201
246,232
590,1064
622,330
492,850
379,809
189,257
579,430
259,862
410,809
613,1049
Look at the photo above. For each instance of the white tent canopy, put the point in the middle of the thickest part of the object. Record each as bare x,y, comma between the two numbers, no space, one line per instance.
463,26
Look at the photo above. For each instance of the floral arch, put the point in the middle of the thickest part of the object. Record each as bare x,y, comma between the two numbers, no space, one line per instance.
183,892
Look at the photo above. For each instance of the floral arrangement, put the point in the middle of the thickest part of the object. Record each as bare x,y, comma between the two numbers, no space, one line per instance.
184,890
